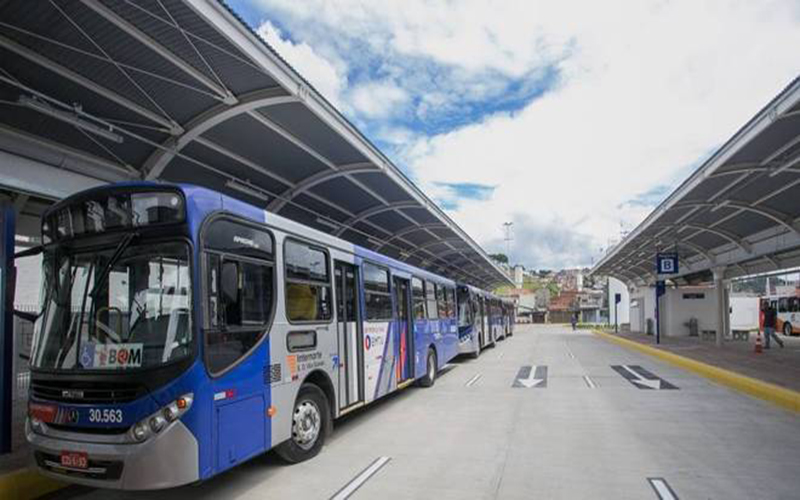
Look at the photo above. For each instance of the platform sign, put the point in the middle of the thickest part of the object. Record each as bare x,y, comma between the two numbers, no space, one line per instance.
667,263
7,220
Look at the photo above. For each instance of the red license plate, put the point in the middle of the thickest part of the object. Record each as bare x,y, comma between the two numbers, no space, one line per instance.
75,459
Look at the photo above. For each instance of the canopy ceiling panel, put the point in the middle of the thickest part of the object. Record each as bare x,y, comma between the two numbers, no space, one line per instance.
298,120
184,91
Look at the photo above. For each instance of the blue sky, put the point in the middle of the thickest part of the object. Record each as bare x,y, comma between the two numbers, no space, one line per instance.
570,119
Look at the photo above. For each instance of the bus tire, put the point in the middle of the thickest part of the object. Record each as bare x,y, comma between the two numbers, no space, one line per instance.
477,353
787,329
309,425
430,370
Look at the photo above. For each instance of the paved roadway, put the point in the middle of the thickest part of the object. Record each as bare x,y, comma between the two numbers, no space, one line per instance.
565,440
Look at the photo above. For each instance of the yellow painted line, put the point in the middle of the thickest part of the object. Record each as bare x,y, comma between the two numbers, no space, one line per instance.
26,484
781,396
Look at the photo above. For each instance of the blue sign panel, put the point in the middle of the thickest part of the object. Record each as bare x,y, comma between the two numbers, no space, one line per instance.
667,263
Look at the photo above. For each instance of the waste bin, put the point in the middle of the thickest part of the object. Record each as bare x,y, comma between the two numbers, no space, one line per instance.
651,326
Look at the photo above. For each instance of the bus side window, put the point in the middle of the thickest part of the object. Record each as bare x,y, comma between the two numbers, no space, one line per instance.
451,302
782,303
418,292
308,283
441,301
430,295
239,291
377,296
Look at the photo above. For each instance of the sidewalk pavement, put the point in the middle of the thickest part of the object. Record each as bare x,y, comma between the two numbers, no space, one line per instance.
776,366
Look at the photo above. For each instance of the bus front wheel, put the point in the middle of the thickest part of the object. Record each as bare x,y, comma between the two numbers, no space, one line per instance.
787,329
309,425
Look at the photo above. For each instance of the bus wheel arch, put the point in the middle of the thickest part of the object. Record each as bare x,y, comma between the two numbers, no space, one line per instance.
323,381
311,424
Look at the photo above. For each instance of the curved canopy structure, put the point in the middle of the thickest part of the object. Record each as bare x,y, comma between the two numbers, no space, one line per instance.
184,91
738,213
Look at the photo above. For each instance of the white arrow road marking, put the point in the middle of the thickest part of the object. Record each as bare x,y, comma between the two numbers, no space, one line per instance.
360,479
639,379
531,380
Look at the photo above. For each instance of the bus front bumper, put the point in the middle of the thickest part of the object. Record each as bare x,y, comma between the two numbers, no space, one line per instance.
167,459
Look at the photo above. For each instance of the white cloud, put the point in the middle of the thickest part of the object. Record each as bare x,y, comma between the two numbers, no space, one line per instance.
378,99
645,90
323,74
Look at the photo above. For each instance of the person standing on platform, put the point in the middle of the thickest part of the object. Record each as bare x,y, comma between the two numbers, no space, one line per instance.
770,322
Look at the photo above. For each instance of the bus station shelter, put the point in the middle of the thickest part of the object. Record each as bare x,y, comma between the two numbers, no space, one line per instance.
100,91
737,215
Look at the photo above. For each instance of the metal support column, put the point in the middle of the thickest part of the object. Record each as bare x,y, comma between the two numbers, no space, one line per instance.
722,310
7,280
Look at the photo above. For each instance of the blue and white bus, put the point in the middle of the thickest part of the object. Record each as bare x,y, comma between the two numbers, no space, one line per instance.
183,332
474,320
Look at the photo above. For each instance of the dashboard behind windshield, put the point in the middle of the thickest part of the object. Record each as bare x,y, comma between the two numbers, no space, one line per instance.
135,313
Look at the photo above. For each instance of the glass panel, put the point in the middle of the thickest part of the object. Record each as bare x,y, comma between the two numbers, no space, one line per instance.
306,302
112,210
430,295
305,263
378,305
376,278
109,315
418,296
256,291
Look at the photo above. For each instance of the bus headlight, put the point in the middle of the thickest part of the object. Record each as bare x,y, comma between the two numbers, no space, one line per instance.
36,425
159,420
140,431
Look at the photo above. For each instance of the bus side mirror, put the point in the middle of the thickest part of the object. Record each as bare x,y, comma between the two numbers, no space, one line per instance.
229,282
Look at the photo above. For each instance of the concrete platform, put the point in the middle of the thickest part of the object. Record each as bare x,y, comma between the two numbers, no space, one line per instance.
600,437
776,366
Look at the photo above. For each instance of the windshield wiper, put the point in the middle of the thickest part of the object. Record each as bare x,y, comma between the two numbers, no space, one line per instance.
123,244
98,285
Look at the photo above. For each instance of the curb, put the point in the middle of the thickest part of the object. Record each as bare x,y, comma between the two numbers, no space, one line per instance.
785,398
27,484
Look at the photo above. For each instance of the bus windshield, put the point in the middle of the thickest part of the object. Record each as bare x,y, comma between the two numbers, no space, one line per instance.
119,308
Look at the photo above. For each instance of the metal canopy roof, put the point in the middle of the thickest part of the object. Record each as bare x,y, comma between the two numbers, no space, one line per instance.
184,91
739,211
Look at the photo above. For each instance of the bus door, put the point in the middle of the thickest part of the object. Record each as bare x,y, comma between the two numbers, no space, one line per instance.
486,323
404,366
349,336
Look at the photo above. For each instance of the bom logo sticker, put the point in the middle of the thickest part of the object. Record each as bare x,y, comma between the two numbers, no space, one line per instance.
111,356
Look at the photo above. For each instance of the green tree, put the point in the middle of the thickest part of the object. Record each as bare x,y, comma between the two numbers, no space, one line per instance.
499,257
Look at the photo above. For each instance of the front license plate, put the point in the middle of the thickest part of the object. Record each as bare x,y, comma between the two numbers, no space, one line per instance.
75,459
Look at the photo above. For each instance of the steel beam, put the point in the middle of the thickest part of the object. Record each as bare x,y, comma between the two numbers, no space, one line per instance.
379,209
224,94
317,179
170,126
155,164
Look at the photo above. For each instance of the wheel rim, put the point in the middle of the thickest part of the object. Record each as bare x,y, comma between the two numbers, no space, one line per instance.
306,424
787,329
